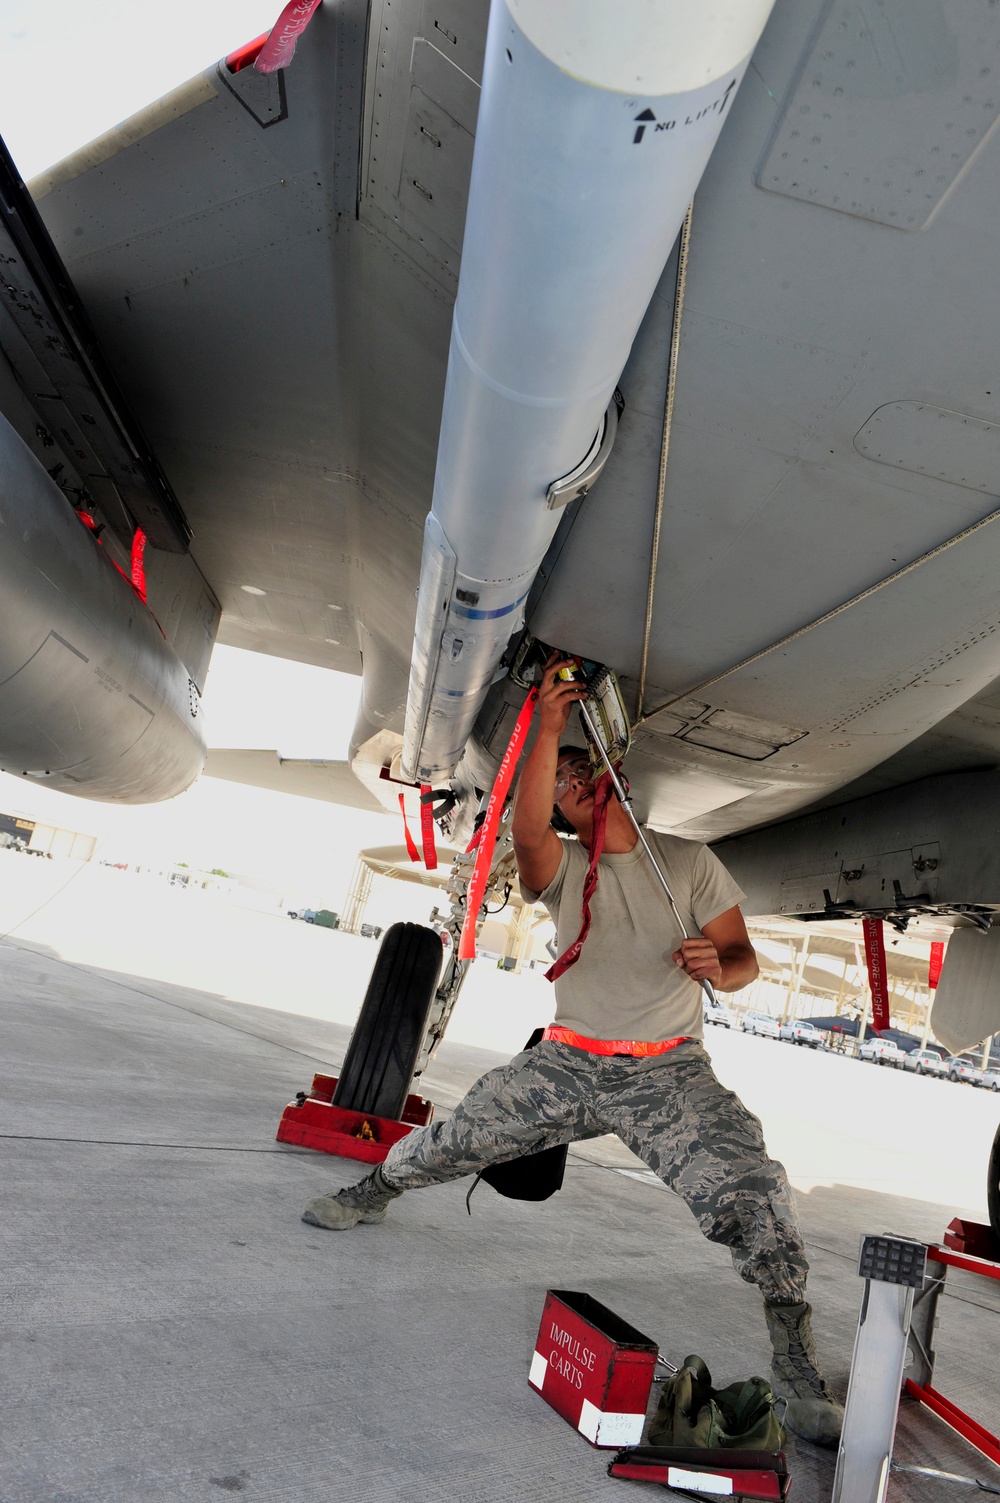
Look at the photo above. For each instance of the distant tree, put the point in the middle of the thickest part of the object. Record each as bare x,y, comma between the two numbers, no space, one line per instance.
182,863
218,872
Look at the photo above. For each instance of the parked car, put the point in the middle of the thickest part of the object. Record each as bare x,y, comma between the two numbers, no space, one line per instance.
798,1031
925,1062
963,1069
325,917
716,1012
990,1080
882,1052
760,1022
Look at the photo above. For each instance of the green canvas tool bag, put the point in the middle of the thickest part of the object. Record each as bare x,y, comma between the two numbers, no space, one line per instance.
693,1413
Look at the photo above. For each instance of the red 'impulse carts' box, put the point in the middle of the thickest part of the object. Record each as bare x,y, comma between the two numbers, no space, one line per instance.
593,1368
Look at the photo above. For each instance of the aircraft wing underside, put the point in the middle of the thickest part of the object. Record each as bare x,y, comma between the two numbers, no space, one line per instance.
271,266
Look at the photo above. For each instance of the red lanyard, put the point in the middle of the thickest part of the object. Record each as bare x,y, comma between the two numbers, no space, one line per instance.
603,791
485,838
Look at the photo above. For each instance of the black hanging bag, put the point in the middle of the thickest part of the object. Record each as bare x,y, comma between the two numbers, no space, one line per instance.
533,1176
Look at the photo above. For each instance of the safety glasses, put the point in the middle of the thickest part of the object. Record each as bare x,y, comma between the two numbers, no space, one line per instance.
578,770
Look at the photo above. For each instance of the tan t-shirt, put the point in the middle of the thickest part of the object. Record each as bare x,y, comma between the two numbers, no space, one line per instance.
625,984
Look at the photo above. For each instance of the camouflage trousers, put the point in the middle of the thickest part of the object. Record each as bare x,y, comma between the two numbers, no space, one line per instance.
669,1109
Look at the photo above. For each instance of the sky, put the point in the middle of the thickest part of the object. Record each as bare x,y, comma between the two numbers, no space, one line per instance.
71,70
74,68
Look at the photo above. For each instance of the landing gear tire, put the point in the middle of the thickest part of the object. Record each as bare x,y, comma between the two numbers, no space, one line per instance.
378,1066
993,1187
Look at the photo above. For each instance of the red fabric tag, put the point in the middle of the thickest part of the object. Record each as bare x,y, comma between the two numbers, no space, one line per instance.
427,830
139,563
936,962
411,844
603,792
279,49
488,829
477,836
878,983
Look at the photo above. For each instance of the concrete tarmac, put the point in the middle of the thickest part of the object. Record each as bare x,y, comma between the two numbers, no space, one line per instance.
172,1332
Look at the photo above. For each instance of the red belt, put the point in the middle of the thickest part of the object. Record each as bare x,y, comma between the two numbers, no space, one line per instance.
634,1047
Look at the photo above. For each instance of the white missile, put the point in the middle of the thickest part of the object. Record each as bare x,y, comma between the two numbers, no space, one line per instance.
595,125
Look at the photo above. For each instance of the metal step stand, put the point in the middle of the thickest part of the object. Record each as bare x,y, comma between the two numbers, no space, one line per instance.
893,1269
919,1380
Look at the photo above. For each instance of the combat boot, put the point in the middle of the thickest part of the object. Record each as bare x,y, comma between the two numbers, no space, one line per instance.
812,1412
366,1201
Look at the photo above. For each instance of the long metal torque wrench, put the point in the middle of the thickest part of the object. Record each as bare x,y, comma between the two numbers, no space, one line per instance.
626,803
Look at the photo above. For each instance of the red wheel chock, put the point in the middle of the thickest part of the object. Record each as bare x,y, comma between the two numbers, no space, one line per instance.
312,1121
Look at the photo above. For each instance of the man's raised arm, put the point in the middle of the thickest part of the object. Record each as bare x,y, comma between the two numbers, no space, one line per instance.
537,848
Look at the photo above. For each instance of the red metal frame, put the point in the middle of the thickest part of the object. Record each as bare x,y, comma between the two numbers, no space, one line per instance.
972,1237
984,1441
976,1434
984,1266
